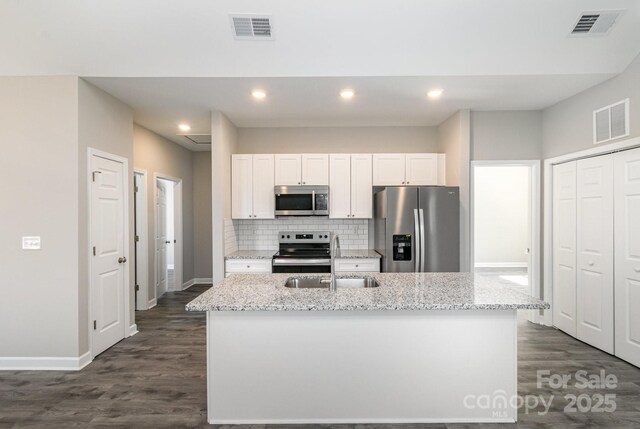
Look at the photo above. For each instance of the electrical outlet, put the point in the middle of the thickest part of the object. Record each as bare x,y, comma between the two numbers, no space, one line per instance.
31,243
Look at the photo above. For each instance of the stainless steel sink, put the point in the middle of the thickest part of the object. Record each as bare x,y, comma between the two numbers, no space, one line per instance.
323,282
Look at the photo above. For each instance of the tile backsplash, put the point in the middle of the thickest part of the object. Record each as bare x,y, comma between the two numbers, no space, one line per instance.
263,234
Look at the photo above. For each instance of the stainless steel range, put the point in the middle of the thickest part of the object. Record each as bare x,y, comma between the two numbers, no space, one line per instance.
303,252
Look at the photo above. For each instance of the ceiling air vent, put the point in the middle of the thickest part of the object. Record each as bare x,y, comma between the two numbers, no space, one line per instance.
596,23
199,139
611,122
252,27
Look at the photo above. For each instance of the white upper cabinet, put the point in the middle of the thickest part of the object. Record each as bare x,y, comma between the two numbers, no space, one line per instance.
351,189
413,169
315,169
263,182
421,169
388,169
252,184
340,186
288,169
361,186
307,169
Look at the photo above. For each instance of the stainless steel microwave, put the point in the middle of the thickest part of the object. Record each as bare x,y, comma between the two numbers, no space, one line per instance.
302,200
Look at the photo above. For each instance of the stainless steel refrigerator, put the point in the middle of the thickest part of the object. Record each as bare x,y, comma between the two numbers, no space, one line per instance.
418,229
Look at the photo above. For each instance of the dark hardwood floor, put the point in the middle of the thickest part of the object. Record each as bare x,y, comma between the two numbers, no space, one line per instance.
156,379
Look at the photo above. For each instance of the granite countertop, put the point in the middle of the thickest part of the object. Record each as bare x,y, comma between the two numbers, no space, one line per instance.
251,254
397,291
268,254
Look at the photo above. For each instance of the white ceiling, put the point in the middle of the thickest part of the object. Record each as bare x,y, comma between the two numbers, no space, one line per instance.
489,54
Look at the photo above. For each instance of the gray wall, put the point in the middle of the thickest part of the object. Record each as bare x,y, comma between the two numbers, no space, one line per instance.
106,124
39,194
224,137
337,140
568,125
506,135
157,155
202,244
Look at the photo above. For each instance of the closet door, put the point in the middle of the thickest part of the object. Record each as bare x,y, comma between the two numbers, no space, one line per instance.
595,252
627,251
564,247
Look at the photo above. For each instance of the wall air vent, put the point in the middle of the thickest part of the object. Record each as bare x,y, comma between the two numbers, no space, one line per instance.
598,23
611,122
252,27
199,139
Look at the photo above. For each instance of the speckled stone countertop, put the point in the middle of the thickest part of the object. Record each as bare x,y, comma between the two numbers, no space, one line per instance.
268,254
397,291
251,254
359,254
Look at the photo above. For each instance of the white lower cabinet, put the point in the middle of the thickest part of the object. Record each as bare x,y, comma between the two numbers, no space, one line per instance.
247,266
371,265
596,252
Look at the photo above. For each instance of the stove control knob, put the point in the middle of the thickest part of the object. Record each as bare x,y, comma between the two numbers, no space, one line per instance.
288,236
283,236
326,236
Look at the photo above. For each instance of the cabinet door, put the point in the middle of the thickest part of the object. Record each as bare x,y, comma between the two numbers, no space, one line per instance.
263,182
421,169
288,169
241,186
442,169
564,247
388,169
340,186
315,169
361,186
627,255
594,289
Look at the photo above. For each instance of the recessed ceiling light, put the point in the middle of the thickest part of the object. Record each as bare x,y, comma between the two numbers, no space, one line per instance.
184,127
347,93
258,93
434,93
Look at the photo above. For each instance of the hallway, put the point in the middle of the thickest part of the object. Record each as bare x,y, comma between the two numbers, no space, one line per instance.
156,379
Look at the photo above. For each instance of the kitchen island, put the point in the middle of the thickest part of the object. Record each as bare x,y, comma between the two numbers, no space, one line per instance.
421,347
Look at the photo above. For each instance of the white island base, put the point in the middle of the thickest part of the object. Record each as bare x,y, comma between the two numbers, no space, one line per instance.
361,366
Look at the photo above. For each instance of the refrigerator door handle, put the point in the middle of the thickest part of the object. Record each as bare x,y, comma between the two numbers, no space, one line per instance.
423,248
416,238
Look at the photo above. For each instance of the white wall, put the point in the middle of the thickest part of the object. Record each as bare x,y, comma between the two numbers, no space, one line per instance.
506,135
223,144
337,140
501,215
202,245
568,125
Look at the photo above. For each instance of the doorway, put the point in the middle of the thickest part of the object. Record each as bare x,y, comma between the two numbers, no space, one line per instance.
506,222
168,234
141,256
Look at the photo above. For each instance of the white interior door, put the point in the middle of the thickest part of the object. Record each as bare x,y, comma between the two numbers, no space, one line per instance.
161,237
340,186
594,292
627,259
564,247
108,249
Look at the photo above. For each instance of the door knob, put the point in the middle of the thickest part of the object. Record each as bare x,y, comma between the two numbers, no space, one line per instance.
122,260
168,242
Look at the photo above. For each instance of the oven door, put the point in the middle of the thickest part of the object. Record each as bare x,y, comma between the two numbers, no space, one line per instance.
302,265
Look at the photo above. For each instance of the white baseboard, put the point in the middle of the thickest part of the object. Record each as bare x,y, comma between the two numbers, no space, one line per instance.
501,265
133,329
152,303
45,363
197,281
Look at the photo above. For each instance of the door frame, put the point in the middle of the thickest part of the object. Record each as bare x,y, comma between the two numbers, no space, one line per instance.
534,213
128,329
548,208
177,229
141,219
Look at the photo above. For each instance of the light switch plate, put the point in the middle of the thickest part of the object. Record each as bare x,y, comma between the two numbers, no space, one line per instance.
30,243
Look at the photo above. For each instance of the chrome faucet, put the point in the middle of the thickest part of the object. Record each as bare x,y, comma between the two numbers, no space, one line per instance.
335,253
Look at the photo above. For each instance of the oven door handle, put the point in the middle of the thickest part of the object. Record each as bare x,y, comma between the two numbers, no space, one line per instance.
283,262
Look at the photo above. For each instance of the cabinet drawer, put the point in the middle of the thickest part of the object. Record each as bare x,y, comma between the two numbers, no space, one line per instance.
365,265
248,266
